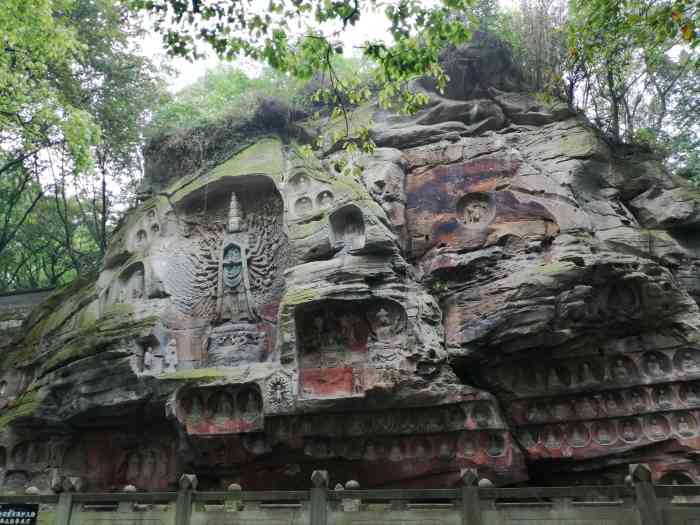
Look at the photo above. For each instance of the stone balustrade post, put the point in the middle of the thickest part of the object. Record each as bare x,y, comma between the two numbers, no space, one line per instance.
318,511
471,505
65,486
640,478
234,499
183,506
351,504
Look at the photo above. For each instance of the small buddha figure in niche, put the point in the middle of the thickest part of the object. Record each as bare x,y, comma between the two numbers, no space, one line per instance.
137,284
133,466
560,410
300,182
304,206
250,405
20,454
637,400
688,363
395,452
495,445
149,465
654,366
384,324
141,237
358,386
371,453
585,407
353,235
347,332
475,212
148,358
553,380
445,451
611,404
656,429
468,448
170,357
552,440
684,428
603,435
629,431
482,415
325,200
196,410
693,394
223,407
534,413
619,371
586,373
663,396
578,436
152,361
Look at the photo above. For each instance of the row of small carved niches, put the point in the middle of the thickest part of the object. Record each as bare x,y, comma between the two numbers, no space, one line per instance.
652,366
42,453
149,227
614,403
597,438
307,196
410,421
146,467
477,446
222,410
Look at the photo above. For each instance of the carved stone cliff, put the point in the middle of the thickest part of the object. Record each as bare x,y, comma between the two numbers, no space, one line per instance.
498,288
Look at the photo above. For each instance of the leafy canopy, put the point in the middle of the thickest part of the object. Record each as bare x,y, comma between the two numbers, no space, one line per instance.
301,37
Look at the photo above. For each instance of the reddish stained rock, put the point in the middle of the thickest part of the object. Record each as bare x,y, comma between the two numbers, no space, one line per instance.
326,381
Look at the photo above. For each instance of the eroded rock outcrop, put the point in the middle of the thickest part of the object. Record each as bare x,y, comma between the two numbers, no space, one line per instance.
497,288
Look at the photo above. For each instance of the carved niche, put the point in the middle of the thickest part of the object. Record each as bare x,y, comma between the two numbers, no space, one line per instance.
308,196
348,228
476,210
146,468
131,285
234,344
146,230
228,266
225,410
155,359
339,340
279,392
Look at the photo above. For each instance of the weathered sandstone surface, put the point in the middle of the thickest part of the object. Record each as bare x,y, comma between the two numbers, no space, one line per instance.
495,287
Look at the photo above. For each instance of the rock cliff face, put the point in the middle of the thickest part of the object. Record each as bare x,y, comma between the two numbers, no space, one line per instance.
495,288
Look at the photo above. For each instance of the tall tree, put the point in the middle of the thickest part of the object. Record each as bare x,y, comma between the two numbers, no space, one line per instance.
34,113
70,137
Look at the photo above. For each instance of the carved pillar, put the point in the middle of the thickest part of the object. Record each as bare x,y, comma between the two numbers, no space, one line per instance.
65,487
640,478
234,499
319,496
351,504
471,506
183,507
